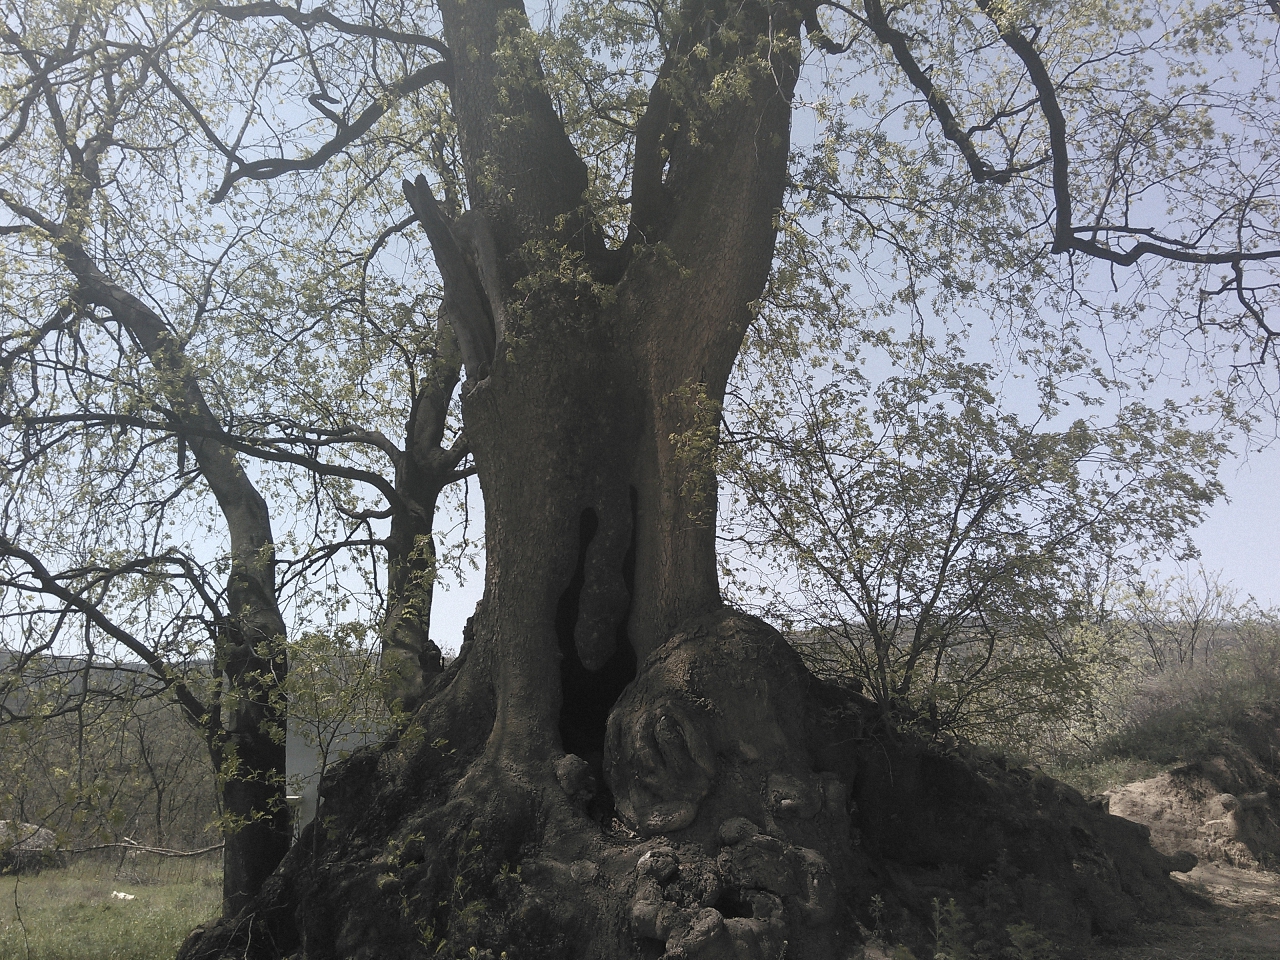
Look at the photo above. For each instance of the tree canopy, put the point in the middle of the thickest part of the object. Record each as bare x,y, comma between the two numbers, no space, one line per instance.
938,546
177,371
230,360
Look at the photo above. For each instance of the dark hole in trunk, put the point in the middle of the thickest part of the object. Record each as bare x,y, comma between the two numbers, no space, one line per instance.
734,903
589,695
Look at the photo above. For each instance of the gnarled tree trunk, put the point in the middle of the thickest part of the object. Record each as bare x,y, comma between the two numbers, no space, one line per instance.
594,376
665,774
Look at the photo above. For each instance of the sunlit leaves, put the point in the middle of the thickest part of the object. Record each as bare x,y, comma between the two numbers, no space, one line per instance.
306,322
1169,127
930,541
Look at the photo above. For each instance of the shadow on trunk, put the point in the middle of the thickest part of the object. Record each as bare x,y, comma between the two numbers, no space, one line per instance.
747,810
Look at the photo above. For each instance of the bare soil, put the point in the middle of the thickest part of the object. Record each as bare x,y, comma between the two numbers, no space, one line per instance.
1224,807
1234,915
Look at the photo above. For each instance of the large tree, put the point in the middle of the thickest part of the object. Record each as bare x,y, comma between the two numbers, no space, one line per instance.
603,209
933,545
163,393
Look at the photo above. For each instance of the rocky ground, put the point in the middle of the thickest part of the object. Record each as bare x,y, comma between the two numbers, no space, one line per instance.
1225,808
1237,917
747,809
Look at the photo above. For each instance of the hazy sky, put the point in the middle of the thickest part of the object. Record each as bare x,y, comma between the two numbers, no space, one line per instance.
1242,538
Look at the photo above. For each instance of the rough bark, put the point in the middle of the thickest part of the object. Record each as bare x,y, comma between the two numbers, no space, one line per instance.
759,813
592,419
667,777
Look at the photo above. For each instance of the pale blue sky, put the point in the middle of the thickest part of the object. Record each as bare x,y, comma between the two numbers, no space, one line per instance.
1241,538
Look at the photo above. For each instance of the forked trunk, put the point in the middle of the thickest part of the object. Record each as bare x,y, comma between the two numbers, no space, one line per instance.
596,377
410,658
618,766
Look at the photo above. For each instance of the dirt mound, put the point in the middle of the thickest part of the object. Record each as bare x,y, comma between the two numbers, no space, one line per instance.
736,818
1223,806
938,824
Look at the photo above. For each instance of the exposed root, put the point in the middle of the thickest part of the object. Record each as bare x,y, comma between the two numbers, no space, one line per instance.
759,813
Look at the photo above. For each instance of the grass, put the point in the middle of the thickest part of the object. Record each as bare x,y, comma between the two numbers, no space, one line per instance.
70,914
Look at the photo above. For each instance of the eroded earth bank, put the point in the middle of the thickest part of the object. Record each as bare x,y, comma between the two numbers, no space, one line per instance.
731,806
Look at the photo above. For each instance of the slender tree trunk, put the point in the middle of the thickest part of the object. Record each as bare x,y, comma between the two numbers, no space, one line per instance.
250,751
410,658
246,731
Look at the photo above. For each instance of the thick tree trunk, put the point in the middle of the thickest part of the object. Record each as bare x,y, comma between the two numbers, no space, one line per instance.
593,422
667,777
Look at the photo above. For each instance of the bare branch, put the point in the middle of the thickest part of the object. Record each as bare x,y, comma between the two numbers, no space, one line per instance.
272,167
897,41
322,17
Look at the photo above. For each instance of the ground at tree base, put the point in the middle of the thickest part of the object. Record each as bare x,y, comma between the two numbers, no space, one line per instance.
740,810
1233,913
1236,916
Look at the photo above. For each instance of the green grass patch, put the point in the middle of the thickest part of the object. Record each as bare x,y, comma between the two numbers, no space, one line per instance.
71,914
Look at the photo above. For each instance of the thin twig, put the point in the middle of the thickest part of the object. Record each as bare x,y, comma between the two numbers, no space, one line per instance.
161,851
